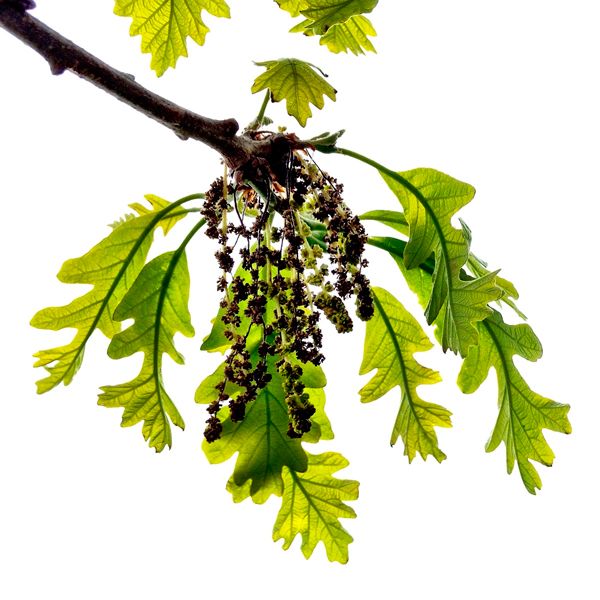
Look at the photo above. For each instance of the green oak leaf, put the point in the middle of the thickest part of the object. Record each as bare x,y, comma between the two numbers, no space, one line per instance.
157,301
313,503
297,82
261,439
110,267
351,35
430,199
165,26
523,412
323,14
393,336
340,24
474,265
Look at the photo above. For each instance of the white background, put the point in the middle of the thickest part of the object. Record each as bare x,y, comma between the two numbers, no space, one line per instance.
502,95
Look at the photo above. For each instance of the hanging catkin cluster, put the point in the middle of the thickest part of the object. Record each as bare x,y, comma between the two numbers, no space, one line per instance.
299,251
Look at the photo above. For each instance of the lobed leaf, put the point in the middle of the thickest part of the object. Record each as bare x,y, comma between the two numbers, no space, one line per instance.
110,267
523,413
261,439
351,35
165,26
392,338
297,82
474,265
157,301
312,505
323,14
340,24
430,199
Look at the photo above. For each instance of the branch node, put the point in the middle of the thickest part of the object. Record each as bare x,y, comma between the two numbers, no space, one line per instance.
56,68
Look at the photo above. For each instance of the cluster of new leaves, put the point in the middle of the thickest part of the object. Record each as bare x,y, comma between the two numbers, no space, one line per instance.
165,25
154,294
340,24
447,275
266,400
277,291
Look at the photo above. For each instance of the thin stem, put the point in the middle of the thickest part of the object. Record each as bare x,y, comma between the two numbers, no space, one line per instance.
381,168
258,121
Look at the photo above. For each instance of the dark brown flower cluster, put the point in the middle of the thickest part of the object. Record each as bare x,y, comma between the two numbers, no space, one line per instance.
285,280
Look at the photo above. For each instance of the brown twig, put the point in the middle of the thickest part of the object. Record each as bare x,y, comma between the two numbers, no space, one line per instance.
240,152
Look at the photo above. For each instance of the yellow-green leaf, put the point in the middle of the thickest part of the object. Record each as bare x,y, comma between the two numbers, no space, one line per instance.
323,14
392,338
261,439
430,199
157,301
312,505
297,82
523,413
351,35
165,26
110,267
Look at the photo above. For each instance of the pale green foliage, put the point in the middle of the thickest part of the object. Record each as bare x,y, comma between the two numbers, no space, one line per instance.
110,267
157,301
352,35
393,336
261,439
165,26
523,413
340,24
297,82
430,199
323,14
474,265
313,503
453,285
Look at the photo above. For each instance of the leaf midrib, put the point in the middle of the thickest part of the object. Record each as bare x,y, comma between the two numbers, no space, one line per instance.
156,353
126,263
407,390
311,504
